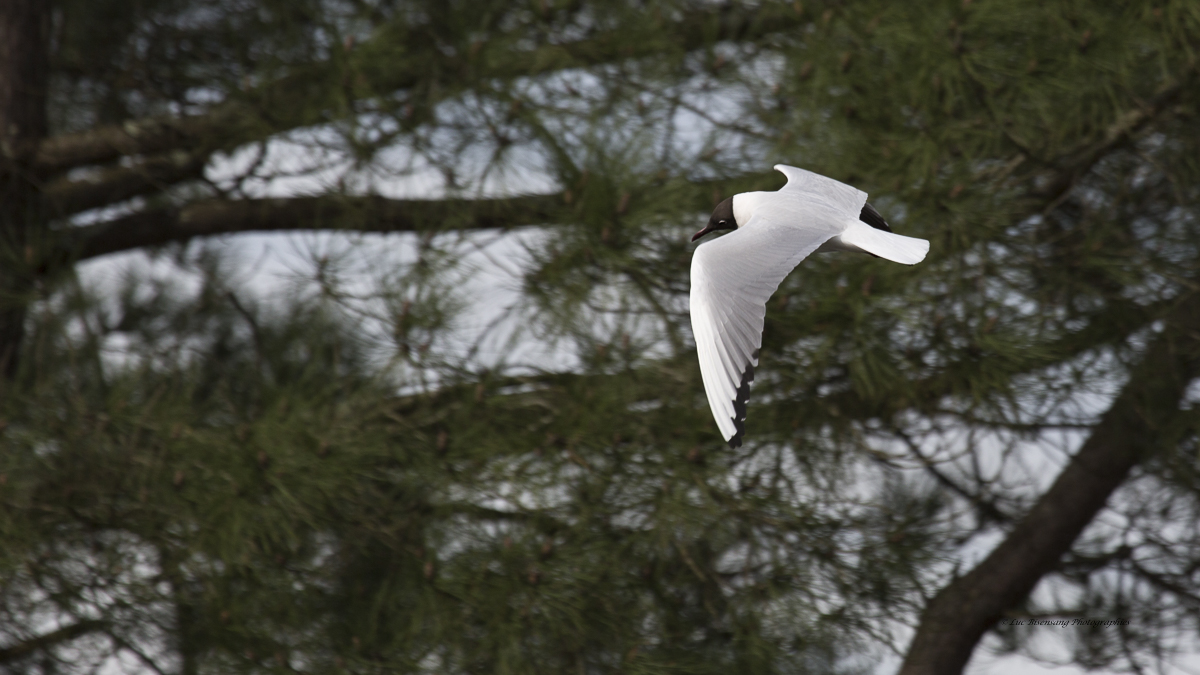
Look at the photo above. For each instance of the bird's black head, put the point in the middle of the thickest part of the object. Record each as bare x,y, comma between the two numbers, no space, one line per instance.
722,219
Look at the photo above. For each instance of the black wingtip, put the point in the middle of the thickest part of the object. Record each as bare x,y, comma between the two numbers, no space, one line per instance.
739,404
871,217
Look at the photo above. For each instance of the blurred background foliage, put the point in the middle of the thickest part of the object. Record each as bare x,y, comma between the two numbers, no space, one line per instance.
353,472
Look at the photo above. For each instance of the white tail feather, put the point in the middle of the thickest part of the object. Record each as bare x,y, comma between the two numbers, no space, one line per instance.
886,245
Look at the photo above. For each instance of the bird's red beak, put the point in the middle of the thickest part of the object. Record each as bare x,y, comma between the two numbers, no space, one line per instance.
701,233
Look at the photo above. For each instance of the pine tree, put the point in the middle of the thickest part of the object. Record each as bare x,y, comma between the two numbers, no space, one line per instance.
197,476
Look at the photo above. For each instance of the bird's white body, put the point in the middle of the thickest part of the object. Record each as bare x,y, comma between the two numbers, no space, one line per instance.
735,275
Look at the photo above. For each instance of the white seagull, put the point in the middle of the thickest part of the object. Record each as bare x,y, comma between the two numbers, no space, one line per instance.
734,276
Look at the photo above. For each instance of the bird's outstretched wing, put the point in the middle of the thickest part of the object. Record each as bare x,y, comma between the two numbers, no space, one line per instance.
732,279
819,191
821,198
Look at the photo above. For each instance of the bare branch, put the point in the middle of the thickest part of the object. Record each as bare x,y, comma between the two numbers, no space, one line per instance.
135,137
154,227
986,508
360,214
54,637
108,186
1141,419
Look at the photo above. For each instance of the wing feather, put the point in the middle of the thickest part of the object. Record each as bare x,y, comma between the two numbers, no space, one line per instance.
732,279
846,200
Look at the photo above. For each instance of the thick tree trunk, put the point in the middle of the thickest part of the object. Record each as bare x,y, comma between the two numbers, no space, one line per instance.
24,70
1140,420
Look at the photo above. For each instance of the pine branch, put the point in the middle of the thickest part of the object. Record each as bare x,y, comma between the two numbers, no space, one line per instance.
238,122
922,394
64,197
51,639
155,227
1122,131
1142,418
360,214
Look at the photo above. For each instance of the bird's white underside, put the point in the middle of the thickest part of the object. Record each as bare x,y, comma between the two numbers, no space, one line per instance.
733,276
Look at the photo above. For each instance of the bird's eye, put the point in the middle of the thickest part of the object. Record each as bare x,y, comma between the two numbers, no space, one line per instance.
720,222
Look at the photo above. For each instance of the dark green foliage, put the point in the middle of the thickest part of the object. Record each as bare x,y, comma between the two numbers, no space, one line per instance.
204,476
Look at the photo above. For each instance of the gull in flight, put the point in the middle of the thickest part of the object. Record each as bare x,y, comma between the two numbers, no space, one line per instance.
734,276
